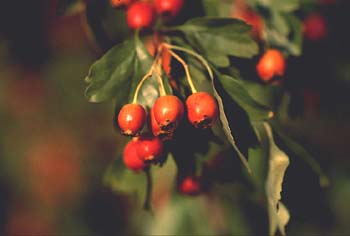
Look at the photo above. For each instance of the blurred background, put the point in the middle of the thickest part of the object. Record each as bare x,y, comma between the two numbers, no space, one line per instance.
55,146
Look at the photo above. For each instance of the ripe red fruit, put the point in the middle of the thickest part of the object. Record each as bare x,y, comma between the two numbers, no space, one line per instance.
131,158
168,111
156,130
315,27
168,7
140,15
149,148
202,110
131,119
272,63
190,186
118,3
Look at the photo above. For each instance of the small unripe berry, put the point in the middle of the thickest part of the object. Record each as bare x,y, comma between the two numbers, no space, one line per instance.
131,119
315,27
168,111
140,15
271,64
149,148
190,186
168,7
202,110
131,158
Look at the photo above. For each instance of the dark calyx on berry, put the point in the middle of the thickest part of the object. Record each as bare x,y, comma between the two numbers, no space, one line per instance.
168,111
202,110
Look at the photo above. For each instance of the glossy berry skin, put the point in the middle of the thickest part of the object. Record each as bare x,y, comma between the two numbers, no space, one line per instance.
190,186
168,7
131,119
157,131
202,110
315,27
149,148
140,15
168,111
118,3
131,158
271,64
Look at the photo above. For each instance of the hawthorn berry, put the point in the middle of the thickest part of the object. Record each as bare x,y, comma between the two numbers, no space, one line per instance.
202,110
149,148
157,131
190,186
118,3
272,63
140,15
168,111
168,7
315,27
131,119
131,158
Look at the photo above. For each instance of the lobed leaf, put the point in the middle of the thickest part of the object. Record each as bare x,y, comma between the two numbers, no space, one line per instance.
278,163
235,88
119,71
221,37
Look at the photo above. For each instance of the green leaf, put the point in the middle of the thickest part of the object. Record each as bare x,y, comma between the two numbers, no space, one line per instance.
267,95
258,158
226,127
239,94
279,23
288,38
269,164
111,76
122,180
217,8
278,163
220,37
218,60
285,5
119,71
280,5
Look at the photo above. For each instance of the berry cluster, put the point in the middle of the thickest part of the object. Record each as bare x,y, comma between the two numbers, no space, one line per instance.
164,118
142,14
149,128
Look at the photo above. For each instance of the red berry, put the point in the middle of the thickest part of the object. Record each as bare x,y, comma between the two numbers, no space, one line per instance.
168,7
140,15
315,27
202,110
157,131
149,148
190,186
131,158
272,63
118,3
131,119
168,111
